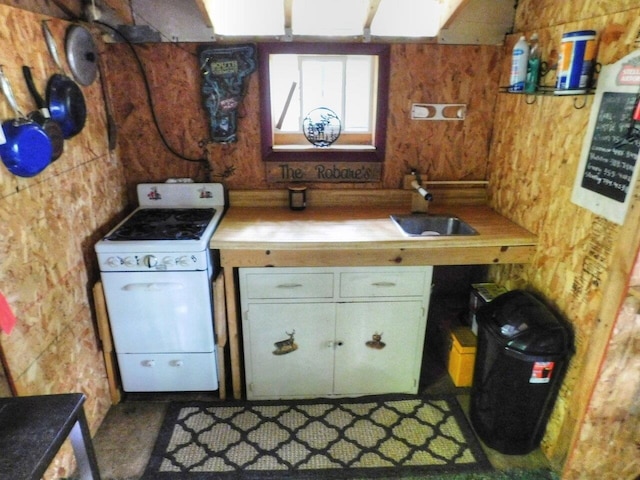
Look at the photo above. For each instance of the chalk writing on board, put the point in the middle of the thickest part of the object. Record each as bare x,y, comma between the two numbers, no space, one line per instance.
611,161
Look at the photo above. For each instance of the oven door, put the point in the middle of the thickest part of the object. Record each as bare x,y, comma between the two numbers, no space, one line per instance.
159,312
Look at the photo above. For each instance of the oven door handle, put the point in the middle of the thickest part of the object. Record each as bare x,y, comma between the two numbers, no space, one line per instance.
153,287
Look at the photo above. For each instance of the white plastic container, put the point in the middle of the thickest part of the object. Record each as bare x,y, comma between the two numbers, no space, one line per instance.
519,60
575,65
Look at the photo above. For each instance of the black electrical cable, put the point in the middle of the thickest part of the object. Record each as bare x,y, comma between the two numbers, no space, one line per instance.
149,95
228,171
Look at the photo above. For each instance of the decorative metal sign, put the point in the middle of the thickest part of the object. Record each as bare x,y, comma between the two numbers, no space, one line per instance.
224,69
328,172
321,127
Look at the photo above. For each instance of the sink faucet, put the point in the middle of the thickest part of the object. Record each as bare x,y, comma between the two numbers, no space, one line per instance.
417,184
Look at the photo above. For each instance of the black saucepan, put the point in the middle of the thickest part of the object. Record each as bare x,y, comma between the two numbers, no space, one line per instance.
25,148
64,97
43,117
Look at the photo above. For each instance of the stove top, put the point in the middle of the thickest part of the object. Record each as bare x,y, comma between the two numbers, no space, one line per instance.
170,230
164,224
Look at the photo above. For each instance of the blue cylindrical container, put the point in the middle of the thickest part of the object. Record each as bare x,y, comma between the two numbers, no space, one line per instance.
575,65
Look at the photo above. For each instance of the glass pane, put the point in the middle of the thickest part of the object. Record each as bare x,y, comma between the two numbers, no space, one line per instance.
284,73
358,93
322,80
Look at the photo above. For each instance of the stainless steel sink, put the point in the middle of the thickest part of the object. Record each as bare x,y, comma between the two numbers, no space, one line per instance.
426,225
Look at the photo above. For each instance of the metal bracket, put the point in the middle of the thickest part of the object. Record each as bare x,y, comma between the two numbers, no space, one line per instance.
438,111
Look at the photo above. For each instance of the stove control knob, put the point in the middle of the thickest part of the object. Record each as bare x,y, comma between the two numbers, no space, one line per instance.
150,261
129,262
183,261
112,262
167,261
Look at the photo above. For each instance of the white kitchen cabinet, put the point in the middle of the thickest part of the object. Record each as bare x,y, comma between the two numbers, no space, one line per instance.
317,332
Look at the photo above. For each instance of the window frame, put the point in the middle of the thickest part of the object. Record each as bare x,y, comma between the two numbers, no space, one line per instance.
323,154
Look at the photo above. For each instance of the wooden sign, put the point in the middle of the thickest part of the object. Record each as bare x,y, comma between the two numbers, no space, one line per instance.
611,149
328,172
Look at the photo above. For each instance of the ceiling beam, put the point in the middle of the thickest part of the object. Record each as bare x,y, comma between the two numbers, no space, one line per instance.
288,15
373,9
205,14
452,9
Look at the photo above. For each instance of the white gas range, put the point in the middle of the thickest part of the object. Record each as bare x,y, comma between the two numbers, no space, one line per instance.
156,269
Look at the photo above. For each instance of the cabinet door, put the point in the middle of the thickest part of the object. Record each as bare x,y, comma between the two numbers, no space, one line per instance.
366,364
289,350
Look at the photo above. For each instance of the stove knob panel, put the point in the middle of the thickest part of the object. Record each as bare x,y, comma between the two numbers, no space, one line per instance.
129,262
150,261
112,262
183,261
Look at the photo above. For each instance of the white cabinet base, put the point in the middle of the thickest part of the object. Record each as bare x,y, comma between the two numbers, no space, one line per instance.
322,332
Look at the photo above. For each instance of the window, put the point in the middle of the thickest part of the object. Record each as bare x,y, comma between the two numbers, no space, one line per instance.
349,79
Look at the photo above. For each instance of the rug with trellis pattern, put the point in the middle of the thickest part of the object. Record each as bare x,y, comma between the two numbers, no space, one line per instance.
388,436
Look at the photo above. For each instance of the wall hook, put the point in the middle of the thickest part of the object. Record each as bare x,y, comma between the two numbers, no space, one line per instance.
575,102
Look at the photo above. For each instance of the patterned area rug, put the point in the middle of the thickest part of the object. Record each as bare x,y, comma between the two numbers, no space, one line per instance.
392,437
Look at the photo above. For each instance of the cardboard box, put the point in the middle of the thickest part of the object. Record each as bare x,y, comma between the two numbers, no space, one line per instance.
462,356
481,294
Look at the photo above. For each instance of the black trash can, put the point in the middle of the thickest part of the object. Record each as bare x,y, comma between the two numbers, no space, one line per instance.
523,351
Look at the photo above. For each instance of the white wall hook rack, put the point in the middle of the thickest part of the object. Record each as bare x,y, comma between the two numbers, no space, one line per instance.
438,111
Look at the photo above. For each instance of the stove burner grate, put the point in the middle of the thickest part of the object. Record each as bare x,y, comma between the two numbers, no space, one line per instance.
164,224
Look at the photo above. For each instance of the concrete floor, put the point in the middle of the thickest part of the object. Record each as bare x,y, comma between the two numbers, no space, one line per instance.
124,442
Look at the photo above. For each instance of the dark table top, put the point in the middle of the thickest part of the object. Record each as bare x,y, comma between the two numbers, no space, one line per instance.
32,429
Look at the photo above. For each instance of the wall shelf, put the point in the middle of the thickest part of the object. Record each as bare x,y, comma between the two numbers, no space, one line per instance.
547,91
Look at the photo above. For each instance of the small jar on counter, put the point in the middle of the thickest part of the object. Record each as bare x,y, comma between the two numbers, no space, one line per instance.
297,197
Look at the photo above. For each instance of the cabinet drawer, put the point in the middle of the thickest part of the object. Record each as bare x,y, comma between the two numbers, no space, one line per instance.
382,284
289,285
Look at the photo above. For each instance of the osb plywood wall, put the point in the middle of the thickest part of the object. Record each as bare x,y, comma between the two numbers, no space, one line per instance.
533,162
49,225
419,74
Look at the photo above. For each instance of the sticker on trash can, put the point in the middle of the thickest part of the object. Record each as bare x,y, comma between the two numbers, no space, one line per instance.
541,372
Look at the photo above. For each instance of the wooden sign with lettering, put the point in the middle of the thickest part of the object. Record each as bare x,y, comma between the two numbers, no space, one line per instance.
328,172
611,149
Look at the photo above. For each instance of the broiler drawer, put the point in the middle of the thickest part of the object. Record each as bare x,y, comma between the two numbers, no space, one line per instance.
168,372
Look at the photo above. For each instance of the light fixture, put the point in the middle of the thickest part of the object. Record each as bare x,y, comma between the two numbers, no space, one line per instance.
337,18
407,18
246,17
328,17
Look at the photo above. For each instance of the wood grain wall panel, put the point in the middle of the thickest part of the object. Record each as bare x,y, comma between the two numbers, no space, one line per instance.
613,423
537,14
446,150
50,223
534,158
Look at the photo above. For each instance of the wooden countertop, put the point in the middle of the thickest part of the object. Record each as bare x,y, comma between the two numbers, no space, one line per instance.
321,229
340,235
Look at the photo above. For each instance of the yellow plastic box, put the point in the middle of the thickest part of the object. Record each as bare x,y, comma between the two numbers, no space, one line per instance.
462,356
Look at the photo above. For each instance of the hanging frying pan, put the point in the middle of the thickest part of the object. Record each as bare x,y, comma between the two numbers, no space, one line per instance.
43,117
25,148
82,54
64,97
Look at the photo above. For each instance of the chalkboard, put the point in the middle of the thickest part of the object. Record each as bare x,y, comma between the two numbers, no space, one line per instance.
611,159
608,170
